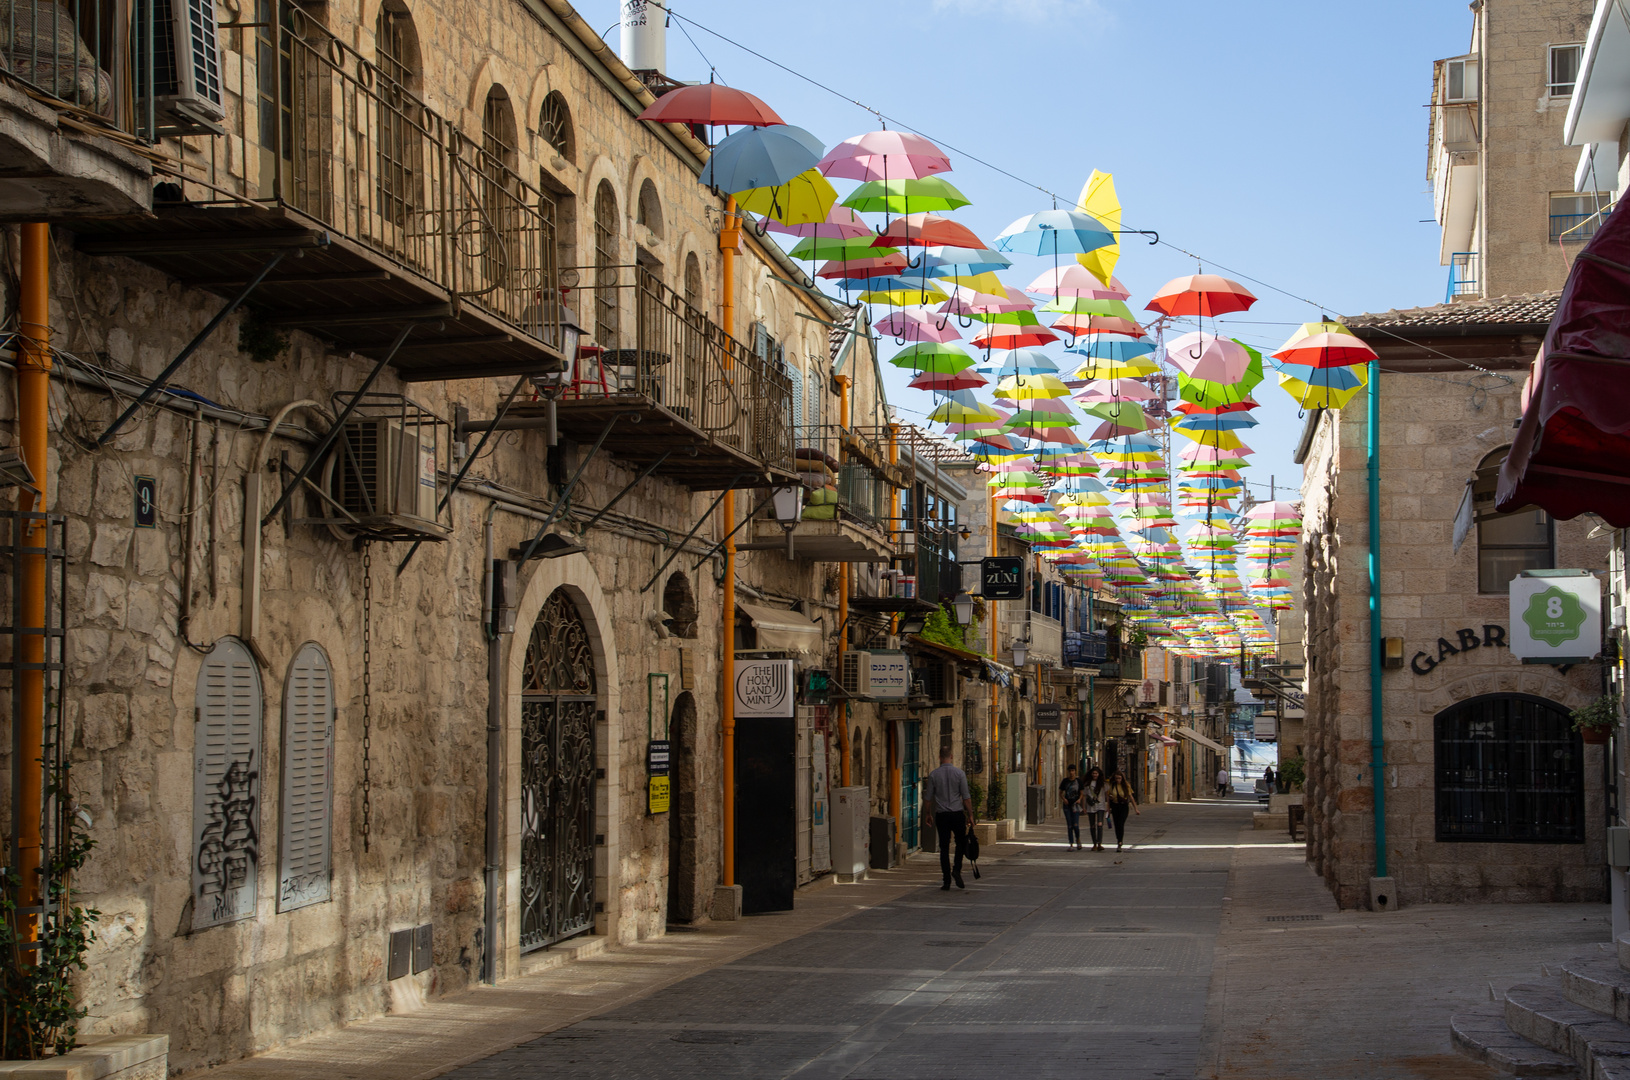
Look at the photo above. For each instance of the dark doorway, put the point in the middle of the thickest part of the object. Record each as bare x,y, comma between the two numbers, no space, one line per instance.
682,811
766,814
1112,757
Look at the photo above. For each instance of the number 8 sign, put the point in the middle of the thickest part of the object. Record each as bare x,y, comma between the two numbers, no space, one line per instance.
1556,616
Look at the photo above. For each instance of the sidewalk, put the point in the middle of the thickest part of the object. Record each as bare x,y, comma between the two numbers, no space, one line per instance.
1300,989
465,1027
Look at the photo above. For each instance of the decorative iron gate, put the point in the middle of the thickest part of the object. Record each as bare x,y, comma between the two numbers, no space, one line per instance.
558,717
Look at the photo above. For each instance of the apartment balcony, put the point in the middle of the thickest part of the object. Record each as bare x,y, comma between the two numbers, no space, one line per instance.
1083,649
372,215
1459,132
1464,270
70,144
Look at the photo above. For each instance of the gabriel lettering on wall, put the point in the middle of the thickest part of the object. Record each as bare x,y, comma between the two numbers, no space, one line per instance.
1466,639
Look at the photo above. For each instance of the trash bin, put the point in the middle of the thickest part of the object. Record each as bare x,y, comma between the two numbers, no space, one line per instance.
1035,804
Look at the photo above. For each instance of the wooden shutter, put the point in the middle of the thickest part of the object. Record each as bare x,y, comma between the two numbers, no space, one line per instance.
797,378
304,839
226,786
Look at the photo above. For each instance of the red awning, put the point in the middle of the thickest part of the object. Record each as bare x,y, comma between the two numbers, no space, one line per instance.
1571,454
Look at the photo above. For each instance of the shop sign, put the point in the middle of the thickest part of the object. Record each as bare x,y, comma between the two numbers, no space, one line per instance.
1114,727
1001,577
1148,693
1465,639
1049,716
764,689
1556,616
890,675
658,794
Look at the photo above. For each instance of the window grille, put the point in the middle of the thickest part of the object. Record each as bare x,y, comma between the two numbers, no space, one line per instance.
605,266
555,124
1509,767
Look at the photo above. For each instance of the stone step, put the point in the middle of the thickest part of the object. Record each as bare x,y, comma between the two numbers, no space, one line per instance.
1264,820
1622,946
1599,984
1482,1035
1542,1014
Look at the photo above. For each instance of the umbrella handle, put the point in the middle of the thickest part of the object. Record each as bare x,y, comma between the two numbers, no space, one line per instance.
945,317
1069,343
914,263
1152,234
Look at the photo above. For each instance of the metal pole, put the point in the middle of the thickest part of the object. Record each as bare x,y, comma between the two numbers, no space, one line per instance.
729,242
1377,739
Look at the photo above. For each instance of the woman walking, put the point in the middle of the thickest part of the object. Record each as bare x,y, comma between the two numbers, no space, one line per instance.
1121,802
1093,804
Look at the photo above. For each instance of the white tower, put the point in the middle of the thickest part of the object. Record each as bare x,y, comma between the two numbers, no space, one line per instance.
645,35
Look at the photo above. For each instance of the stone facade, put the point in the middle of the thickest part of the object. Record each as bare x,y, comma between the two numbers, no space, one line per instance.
1440,421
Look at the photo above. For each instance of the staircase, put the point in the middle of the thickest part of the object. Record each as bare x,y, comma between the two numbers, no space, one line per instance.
1574,1021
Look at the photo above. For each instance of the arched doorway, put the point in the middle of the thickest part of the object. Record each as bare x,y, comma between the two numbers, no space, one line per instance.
1508,768
682,869
559,702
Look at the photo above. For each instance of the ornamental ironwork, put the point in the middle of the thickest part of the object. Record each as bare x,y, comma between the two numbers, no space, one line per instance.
559,658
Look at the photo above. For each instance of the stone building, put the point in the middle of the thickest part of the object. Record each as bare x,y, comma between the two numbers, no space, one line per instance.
1503,183
360,712
1488,792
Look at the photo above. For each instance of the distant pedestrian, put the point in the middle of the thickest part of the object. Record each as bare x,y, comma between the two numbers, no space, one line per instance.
953,816
1069,797
1270,779
1094,802
1121,803
1222,780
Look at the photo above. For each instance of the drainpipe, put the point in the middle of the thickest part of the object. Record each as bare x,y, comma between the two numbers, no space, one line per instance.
33,419
897,734
495,768
729,245
843,382
995,687
1372,440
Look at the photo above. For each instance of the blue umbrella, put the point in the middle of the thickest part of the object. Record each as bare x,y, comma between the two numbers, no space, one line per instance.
964,262
1125,444
1119,350
1054,232
1336,378
761,157
1026,361
1220,422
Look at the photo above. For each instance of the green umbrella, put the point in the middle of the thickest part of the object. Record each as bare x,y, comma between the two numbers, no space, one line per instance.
905,196
827,247
1209,395
1082,305
932,356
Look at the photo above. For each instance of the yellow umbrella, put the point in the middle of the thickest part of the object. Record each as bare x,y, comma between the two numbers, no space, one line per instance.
927,293
806,198
960,407
987,283
1135,367
1323,397
1026,387
1098,198
1225,440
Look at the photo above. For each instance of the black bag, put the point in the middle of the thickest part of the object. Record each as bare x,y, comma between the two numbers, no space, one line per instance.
972,852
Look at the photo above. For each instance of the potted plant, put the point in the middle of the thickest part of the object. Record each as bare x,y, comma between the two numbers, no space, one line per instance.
1293,773
1595,722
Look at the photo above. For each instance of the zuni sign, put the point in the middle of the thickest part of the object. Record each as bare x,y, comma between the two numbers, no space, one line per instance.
764,689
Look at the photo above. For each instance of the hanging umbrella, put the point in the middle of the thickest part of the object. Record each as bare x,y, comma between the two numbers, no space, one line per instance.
1206,356
966,300
1213,394
711,104
1215,422
1323,388
840,224
1082,325
926,230
904,195
1083,305
1013,335
805,199
1324,345
1054,232
760,157
1030,387
941,381
857,269
1111,390
820,247
1201,294
1025,361
931,356
1189,408
885,155
1111,358
1099,200
918,324
944,261
970,289
961,407
896,292
1076,280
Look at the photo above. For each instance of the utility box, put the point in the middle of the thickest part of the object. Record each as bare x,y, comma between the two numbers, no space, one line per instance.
851,832
1618,846
1035,805
882,842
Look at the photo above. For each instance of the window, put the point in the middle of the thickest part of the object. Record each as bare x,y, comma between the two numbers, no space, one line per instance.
1507,544
1575,218
226,786
649,210
304,843
400,128
500,230
693,281
1509,767
605,265
555,124
1564,69
1460,80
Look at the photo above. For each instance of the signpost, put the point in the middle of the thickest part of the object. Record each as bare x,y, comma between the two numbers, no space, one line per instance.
1049,716
1556,616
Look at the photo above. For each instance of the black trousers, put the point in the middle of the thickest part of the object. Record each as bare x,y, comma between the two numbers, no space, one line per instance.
1072,823
949,825
1117,814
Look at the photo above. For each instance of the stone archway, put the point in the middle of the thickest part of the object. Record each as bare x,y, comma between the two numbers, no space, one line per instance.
684,901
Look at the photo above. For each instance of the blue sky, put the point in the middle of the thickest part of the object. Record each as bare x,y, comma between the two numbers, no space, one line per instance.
1283,140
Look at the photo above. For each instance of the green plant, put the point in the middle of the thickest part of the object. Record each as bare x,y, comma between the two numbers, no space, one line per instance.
1293,772
1599,715
38,1012
996,798
261,343
976,795
1138,638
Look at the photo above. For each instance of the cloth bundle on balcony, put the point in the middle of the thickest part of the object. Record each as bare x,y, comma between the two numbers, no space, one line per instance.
816,468
822,504
40,44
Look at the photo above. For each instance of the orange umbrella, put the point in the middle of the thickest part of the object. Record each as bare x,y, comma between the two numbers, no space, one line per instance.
927,230
1201,294
710,103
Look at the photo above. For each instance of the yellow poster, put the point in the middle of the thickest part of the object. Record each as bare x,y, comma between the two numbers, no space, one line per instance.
659,795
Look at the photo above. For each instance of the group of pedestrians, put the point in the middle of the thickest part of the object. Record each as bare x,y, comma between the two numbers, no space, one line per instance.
1094,797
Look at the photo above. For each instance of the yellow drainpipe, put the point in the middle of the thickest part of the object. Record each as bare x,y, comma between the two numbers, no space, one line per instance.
729,244
990,613
898,734
843,382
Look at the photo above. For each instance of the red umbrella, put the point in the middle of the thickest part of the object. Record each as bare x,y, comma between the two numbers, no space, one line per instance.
1326,350
966,379
1013,336
1098,324
927,230
883,266
1201,294
1189,408
710,103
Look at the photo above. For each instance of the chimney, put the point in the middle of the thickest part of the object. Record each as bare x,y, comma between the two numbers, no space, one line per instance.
645,36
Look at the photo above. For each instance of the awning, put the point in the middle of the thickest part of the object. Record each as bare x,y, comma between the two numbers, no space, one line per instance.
1195,736
780,630
1571,453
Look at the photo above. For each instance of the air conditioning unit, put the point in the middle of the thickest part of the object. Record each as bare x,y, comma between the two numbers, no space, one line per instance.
386,475
855,673
187,66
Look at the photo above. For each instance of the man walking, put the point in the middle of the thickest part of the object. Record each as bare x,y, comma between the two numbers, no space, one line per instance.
1222,781
953,815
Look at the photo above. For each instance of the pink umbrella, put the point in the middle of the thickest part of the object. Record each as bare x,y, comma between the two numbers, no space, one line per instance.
918,324
841,224
1005,336
927,230
966,379
967,301
1077,280
1104,391
1201,452
882,266
1206,356
884,155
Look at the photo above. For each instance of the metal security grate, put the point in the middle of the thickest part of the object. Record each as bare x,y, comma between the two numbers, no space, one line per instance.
1510,767
1293,918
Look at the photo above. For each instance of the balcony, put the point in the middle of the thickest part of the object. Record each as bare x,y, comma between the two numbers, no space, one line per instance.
372,214
850,500
1463,274
1459,132
1575,228
71,146
1085,650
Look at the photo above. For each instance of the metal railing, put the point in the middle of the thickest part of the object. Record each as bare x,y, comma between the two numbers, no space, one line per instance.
1464,267
1575,228
678,358
69,50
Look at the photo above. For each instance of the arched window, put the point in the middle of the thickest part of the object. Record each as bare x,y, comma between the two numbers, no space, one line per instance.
680,604
500,239
605,265
555,125
649,211
1509,767
400,151
1507,544
305,827
693,281
498,127
226,785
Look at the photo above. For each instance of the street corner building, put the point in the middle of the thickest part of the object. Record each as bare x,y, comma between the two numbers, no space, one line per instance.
397,398
1487,791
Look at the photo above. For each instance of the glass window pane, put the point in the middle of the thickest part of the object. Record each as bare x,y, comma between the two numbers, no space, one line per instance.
1524,527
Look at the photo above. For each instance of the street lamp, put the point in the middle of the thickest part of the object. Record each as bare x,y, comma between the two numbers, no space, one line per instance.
963,606
1020,651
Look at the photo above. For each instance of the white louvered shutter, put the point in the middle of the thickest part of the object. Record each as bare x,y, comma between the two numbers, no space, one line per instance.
797,378
226,786
305,833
